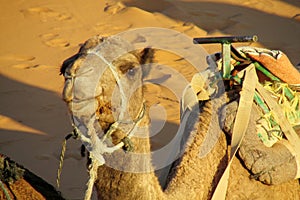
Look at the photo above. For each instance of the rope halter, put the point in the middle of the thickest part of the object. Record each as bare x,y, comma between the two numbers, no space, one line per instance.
84,85
82,89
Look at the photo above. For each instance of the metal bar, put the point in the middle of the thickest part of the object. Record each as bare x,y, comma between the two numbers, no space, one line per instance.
226,60
226,39
226,48
265,72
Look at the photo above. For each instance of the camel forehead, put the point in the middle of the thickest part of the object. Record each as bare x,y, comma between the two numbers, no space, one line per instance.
128,57
126,62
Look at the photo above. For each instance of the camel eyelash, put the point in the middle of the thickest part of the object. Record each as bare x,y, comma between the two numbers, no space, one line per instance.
128,68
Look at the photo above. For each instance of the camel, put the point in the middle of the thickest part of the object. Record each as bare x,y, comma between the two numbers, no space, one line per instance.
18,182
190,176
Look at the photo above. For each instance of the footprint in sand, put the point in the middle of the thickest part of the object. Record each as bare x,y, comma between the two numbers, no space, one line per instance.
25,66
17,57
188,28
114,8
45,14
53,40
107,29
20,61
57,42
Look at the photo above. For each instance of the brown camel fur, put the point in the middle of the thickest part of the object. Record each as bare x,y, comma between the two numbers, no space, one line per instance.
20,183
190,177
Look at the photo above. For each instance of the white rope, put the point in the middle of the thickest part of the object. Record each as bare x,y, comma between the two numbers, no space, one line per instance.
93,176
95,164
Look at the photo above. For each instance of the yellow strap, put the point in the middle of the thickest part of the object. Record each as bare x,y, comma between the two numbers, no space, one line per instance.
286,127
239,128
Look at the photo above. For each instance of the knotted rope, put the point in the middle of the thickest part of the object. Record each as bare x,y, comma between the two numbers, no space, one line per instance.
76,134
73,134
93,176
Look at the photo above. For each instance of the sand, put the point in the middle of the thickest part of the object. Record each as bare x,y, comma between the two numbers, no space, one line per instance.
36,36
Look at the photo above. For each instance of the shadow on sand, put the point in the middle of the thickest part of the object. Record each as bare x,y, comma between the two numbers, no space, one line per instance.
273,31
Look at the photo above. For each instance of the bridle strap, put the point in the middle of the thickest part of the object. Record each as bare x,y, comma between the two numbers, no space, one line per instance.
116,76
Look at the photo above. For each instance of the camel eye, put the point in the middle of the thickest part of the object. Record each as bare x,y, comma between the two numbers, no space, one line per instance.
131,73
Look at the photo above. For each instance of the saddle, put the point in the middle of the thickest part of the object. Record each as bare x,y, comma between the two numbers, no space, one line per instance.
262,81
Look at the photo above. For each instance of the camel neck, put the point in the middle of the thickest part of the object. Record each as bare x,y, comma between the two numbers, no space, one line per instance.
130,171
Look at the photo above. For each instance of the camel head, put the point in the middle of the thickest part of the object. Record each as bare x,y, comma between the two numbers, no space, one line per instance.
117,85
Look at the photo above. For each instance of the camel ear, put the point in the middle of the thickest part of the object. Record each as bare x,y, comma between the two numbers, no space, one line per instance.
89,44
145,57
68,63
